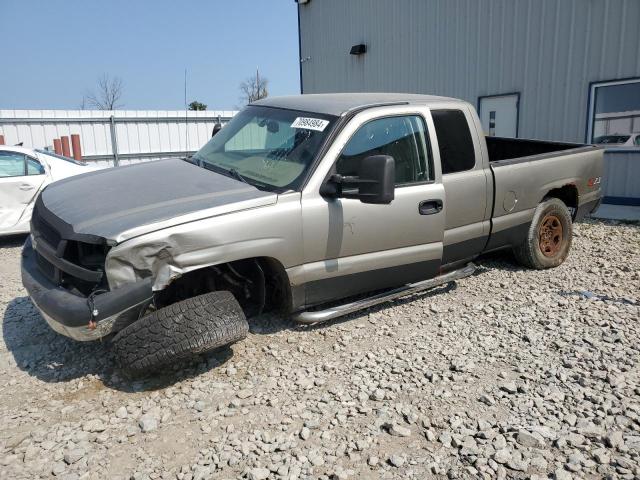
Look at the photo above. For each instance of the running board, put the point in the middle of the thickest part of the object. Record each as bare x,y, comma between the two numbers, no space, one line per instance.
309,317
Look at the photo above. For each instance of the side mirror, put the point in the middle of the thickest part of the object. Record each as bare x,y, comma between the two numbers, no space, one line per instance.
216,129
374,184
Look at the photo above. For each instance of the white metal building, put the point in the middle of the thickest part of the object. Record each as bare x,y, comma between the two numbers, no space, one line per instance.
566,70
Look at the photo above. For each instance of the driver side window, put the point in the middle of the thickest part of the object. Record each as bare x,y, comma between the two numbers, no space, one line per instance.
402,137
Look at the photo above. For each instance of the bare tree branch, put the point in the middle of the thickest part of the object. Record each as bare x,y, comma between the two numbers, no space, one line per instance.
108,94
254,88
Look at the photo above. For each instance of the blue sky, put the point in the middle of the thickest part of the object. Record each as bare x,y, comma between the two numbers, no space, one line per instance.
55,50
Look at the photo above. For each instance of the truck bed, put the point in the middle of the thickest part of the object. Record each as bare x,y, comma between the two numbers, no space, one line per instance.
503,149
525,171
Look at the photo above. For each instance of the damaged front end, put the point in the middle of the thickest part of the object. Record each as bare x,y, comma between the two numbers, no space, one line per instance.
191,260
96,260
64,274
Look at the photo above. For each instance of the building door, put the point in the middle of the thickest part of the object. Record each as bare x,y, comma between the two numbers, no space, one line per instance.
499,115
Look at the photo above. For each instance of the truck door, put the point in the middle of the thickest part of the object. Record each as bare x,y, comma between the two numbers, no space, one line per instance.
20,180
467,186
352,247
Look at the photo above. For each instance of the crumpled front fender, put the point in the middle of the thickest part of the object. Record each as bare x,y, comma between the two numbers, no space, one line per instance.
167,254
155,260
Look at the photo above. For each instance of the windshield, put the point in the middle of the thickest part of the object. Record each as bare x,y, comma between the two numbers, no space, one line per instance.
268,147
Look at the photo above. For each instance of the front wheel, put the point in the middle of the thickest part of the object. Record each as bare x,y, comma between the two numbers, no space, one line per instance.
549,237
180,331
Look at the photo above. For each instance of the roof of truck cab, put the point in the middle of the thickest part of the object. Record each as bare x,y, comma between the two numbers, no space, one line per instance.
340,103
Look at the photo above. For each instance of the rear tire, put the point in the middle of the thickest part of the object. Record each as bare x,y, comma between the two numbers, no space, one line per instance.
180,331
549,237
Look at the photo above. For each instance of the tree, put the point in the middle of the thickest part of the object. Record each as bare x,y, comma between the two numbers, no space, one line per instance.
195,105
254,88
108,94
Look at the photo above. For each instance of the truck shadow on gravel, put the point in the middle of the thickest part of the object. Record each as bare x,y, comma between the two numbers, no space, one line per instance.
53,358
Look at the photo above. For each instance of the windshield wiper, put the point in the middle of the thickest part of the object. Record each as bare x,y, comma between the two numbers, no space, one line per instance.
234,173
256,184
238,176
195,159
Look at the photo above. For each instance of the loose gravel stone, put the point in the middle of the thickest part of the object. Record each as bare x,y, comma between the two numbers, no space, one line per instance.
258,473
502,456
397,430
94,425
148,423
58,468
530,439
509,387
73,455
396,460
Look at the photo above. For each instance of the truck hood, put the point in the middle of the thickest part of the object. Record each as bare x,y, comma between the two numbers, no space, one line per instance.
119,203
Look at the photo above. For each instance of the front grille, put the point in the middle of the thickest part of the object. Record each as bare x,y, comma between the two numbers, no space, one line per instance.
75,265
47,268
46,231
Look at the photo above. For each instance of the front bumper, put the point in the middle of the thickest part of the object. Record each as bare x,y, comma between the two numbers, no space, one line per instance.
69,314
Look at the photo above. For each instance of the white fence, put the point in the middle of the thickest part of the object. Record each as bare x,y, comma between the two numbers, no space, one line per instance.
114,137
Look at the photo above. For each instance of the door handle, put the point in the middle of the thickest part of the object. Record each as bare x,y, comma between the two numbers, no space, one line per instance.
26,186
430,207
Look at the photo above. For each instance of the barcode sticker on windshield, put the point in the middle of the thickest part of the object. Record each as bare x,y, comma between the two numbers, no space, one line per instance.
310,123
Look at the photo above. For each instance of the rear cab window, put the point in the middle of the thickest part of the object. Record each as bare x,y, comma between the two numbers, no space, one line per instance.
454,139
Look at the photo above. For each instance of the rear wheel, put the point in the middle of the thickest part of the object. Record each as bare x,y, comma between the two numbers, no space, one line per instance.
179,331
549,237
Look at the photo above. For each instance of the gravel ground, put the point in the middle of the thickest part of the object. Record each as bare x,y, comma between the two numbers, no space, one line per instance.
509,374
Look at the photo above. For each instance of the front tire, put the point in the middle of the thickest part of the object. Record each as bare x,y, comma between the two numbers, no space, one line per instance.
549,237
180,331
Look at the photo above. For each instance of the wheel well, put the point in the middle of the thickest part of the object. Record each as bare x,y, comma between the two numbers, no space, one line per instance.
568,194
258,284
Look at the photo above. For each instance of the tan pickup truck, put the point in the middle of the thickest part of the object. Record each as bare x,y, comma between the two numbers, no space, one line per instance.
315,205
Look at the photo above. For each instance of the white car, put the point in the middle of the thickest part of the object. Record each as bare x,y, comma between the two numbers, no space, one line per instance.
621,140
24,172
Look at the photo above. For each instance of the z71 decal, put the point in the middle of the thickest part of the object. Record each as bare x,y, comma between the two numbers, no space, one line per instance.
594,181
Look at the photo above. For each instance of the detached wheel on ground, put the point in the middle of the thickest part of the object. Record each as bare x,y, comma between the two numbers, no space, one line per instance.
549,238
180,331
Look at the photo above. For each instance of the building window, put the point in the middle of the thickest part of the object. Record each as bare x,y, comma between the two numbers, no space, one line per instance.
614,114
